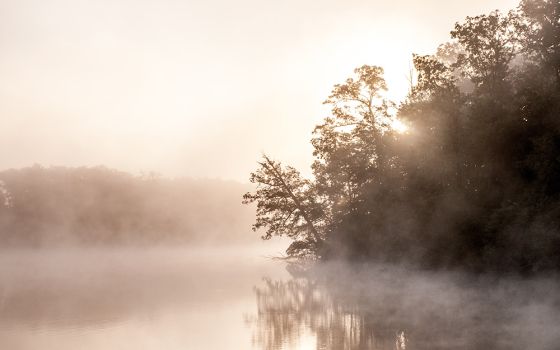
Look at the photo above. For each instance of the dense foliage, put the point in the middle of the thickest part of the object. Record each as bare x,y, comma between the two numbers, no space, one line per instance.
473,183
46,206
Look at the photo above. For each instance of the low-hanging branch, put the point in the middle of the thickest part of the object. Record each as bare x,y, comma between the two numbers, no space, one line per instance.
270,165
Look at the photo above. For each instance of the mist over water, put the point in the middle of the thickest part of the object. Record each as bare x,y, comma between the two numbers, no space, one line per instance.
172,298
237,297
384,307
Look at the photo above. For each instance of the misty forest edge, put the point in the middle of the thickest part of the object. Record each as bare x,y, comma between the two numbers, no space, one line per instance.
95,206
473,184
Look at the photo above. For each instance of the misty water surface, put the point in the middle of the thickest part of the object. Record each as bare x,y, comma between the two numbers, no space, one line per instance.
237,298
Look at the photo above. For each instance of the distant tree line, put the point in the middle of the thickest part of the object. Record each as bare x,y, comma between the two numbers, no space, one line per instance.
58,205
475,181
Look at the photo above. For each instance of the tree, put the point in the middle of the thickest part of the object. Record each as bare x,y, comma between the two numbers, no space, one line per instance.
287,205
489,47
539,26
350,146
434,78
354,163
476,184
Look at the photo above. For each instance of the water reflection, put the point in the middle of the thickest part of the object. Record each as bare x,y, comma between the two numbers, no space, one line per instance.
299,307
384,308
204,299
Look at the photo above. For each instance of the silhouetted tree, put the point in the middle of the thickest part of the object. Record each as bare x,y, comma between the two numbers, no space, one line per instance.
476,182
287,205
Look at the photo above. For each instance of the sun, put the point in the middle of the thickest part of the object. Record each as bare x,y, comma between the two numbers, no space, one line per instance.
399,126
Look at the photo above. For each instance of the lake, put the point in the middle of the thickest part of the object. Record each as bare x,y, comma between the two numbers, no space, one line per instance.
239,298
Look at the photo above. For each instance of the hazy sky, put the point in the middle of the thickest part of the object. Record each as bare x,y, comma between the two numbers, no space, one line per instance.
195,88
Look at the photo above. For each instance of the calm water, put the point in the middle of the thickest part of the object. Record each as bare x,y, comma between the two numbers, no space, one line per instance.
237,298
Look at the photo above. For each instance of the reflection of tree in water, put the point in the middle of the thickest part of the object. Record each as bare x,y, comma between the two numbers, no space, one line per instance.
286,310
381,308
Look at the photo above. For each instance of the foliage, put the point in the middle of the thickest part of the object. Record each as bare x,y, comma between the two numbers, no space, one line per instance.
539,27
475,183
488,48
287,205
53,206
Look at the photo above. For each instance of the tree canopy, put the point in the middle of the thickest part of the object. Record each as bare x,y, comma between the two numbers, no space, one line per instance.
99,206
473,183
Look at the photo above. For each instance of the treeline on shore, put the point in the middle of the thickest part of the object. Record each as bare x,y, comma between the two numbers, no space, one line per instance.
42,206
465,173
